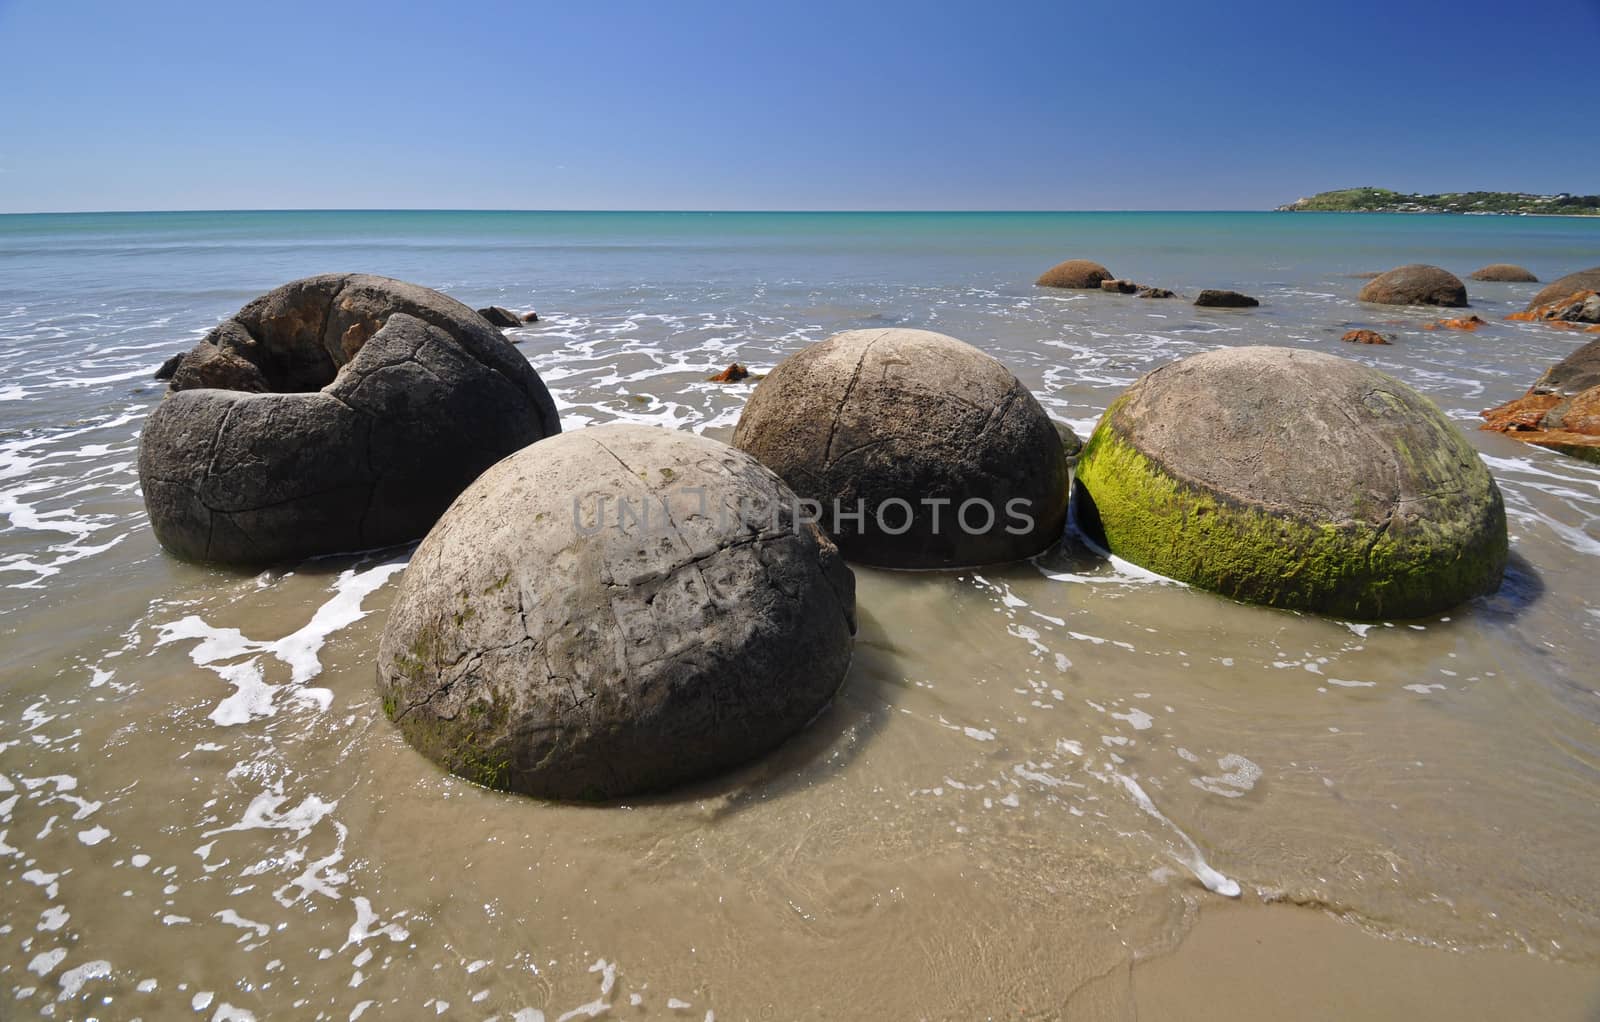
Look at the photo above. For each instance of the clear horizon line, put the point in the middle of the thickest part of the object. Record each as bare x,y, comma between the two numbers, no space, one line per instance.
469,209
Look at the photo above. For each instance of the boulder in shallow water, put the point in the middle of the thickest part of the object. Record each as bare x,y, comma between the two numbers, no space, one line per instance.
1121,287
335,413
1074,273
1364,337
530,316
1155,292
1214,299
1416,284
1583,280
1578,307
1561,410
1294,479
945,456
500,317
1505,272
733,374
613,611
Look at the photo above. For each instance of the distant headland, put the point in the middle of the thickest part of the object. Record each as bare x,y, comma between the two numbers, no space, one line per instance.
1382,200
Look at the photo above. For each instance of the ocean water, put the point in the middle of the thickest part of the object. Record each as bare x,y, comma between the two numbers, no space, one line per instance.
1033,775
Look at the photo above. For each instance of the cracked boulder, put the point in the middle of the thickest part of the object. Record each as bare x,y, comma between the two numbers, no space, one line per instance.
336,413
918,450
1293,479
614,611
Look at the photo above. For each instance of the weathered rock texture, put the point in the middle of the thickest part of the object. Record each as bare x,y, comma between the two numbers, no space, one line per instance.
871,418
1075,273
1577,307
339,412
1583,280
1504,272
613,611
1294,479
1416,284
1561,410
1214,299
1121,287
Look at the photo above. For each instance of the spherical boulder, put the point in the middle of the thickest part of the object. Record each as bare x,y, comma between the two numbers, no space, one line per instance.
1504,272
340,412
1583,280
614,611
1075,273
1416,284
1294,479
918,450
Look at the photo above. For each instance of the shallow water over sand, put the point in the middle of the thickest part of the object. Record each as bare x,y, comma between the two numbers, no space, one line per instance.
1031,776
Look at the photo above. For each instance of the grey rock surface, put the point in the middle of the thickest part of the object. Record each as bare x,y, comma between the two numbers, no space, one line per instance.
870,418
546,640
500,317
335,413
1583,280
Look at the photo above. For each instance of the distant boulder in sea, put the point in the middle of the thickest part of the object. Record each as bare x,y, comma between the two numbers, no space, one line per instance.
1416,284
1504,272
1214,299
1075,273
1294,479
335,413
500,317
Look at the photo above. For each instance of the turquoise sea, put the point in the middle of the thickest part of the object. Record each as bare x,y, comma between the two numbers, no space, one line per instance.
202,807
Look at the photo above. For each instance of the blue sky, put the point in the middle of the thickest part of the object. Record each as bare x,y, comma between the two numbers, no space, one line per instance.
814,105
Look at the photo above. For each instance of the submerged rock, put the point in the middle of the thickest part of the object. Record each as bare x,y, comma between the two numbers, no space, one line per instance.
1416,284
1364,337
947,457
1504,272
1074,273
1583,280
614,611
1121,287
499,317
1071,443
1215,299
1561,410
1294,479
530,316
1155,292
733,374
1467,323
335,413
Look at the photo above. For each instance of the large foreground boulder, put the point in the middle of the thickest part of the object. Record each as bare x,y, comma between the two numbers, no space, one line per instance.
1294,479
1416,284
1505,272
613,611
335,413
1075,273
1583,280
919,450
1561,410
1578,307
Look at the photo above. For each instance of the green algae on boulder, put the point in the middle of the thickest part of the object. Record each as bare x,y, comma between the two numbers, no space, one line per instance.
1297,480
615,611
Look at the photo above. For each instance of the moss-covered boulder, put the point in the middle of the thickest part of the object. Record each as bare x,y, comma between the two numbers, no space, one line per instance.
1294,479
614,611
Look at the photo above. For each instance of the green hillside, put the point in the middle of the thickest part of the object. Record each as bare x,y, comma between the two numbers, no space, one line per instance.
1382,200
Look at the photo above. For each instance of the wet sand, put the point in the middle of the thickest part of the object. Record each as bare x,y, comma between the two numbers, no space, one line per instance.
1248,962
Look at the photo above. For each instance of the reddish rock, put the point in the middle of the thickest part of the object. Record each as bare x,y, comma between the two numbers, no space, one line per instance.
1561,410
1364,337
1505,272
733,374
1577,307
1121,287
1583,280
530,316
1468,323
